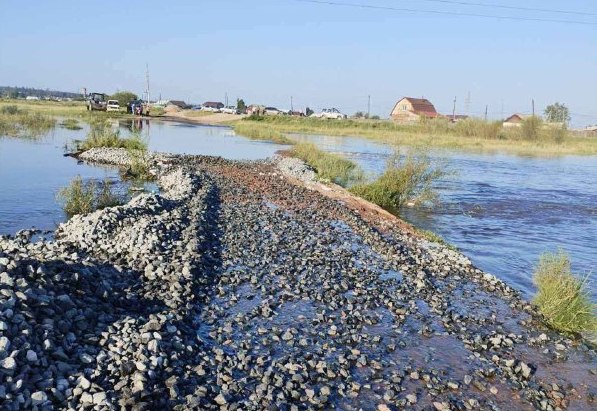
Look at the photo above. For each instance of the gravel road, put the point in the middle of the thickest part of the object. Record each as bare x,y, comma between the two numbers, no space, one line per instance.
239,288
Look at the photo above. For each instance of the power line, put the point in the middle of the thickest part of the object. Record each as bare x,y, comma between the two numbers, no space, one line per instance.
501,6
449,13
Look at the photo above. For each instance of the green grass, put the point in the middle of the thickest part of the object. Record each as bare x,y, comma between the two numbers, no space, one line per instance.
328,166
472,135
18,122
84,197
407,179
70,124
563,298
139,168
257,132
102,135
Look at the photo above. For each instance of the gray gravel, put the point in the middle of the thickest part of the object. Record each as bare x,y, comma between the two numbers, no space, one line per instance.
234,289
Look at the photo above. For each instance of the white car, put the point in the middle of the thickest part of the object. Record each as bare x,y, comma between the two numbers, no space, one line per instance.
332,113
230,110
271,111
210,109
112,105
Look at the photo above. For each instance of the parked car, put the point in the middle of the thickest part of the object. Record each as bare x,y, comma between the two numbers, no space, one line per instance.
330,113
230,110
96,101
113,105
212,106
271,111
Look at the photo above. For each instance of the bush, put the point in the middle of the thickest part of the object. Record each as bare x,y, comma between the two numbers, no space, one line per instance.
530,128
557,133
83,198
562,298
472,127
406,179
328,166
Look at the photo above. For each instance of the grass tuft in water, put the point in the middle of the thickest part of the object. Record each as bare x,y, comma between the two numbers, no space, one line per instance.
71,124
139,168
563,298
84,197
328,166
102,135
407,179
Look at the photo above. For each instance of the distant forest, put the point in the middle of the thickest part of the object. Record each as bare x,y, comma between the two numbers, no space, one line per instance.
22,92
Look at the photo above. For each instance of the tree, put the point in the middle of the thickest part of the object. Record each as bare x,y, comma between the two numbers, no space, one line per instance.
240,105
557,113
308,111
124,97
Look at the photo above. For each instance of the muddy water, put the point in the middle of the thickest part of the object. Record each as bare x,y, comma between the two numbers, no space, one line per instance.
502,211
32,171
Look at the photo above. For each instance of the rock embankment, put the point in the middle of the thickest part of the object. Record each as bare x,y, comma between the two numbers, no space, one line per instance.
237,289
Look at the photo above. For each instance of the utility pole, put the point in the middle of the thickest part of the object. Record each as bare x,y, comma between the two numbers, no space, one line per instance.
533,104
147,81
467,103
368,106
454,110
226,99
291,105
486,112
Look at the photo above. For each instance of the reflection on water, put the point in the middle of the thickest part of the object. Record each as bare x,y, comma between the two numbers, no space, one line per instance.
503,211
33,171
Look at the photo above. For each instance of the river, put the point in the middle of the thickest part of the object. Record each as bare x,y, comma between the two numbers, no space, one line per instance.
502,211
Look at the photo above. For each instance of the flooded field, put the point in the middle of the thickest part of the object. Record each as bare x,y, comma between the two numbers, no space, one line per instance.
32,171
502,211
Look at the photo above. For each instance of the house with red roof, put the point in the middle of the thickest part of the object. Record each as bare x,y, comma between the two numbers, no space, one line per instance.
409,110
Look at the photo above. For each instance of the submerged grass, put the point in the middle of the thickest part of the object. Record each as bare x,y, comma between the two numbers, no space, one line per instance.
17,122
435,238
470,135
254,132
563,298
84,197
70,124
328,166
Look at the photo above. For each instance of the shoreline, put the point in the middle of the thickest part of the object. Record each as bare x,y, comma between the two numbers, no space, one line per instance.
249,284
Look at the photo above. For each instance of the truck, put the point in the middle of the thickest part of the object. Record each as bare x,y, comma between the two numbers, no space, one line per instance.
97,101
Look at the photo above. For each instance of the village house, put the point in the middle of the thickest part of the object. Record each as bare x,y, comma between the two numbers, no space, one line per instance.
409,110
515,120
177,103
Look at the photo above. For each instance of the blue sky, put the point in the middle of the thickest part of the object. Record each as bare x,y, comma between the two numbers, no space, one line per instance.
268,50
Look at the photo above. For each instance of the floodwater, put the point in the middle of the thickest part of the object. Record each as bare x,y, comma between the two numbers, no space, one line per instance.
32,171
502,211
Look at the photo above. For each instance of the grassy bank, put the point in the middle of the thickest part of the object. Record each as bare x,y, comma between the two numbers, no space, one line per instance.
18,122
470,135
